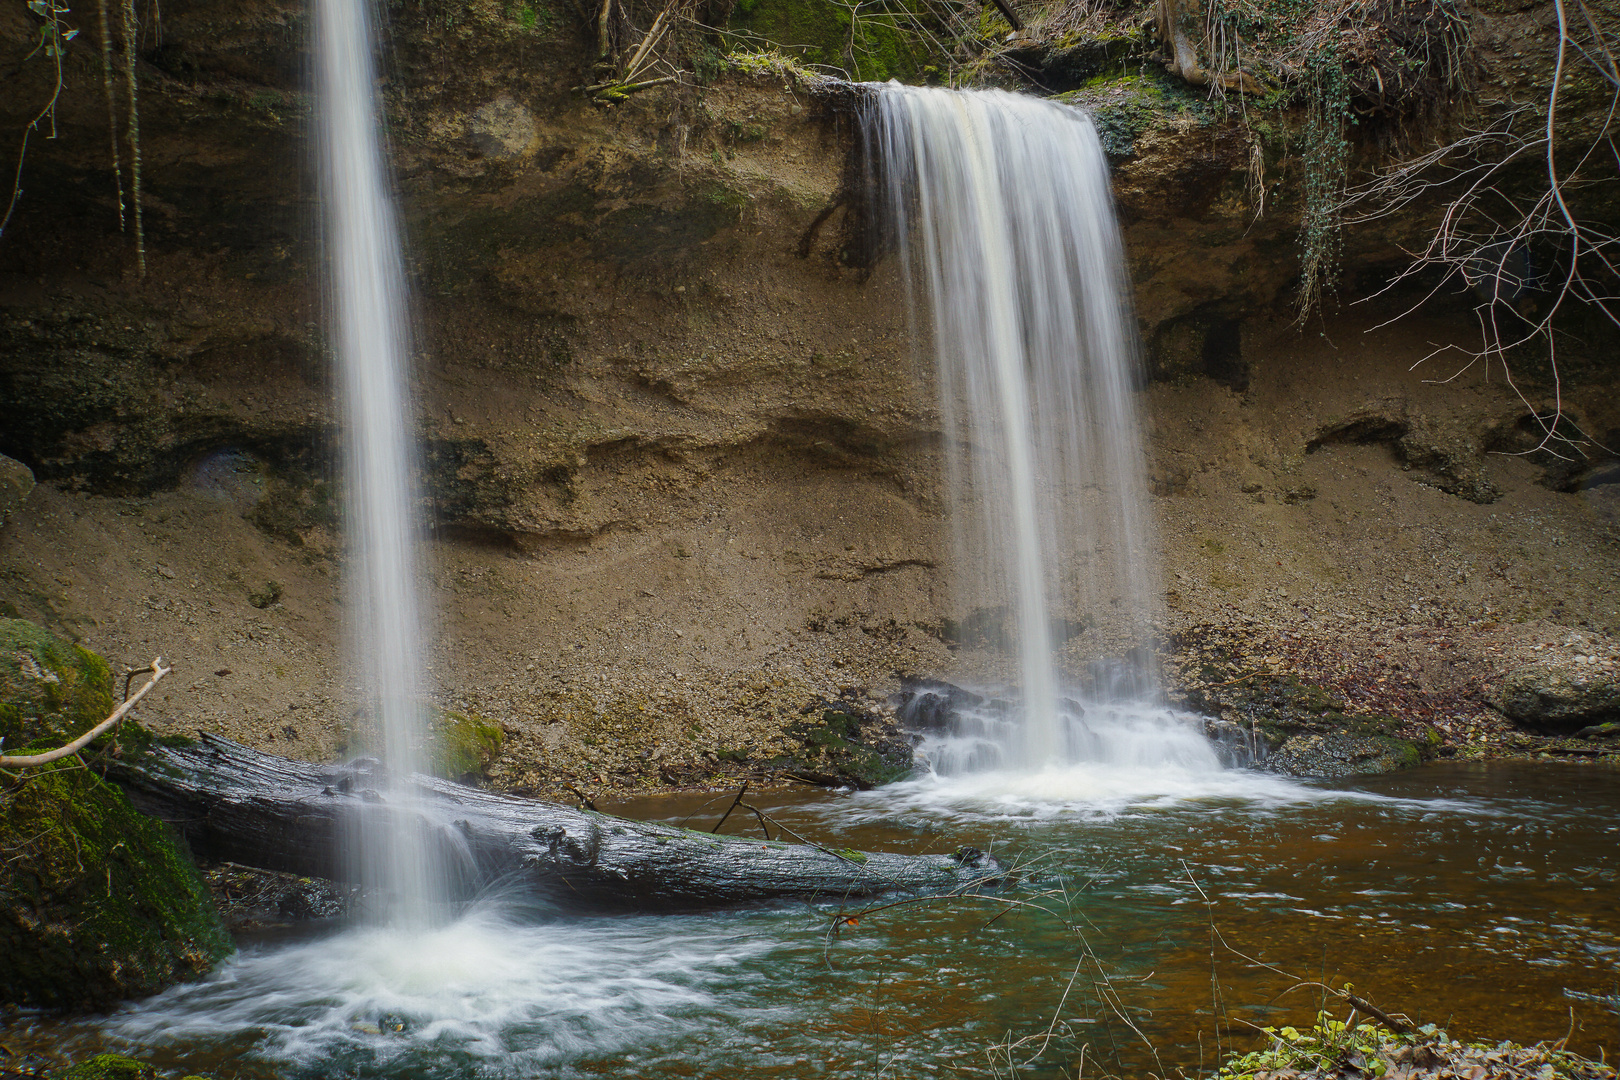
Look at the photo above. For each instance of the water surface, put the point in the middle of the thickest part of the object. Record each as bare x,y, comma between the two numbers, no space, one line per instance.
1469,895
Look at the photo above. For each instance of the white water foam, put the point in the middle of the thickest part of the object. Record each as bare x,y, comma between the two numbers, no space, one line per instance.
485,995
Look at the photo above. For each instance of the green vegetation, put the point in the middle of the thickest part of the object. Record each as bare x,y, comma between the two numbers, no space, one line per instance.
98,902
1124,107
834,746
1333,1047
870,42
110,1067
464,745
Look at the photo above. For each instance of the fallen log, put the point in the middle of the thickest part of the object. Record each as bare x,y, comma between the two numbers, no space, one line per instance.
233,803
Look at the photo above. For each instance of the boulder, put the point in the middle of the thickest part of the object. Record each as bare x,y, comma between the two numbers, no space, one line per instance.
98,902
1559,698
1343,755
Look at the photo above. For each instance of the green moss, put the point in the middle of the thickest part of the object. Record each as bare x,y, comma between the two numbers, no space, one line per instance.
110,1067
886,42
1124,107
853,856
101,902
832,746
465,744
50,690
98,902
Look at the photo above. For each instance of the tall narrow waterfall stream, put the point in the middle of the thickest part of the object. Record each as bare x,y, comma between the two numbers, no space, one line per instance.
368,302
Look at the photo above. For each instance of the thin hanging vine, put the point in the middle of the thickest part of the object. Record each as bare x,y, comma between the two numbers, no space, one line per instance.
112,108
54,35
1325,155
130,29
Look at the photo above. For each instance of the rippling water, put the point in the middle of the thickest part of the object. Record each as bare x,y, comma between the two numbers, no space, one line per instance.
1468,895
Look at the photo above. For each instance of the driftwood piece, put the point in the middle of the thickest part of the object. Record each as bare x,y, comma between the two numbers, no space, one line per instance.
46,757
237,804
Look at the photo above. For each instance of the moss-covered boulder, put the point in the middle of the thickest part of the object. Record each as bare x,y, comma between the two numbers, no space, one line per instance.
842,744
98,902
1559,698
464,745
1306,729
50,690
1344,755
109,1067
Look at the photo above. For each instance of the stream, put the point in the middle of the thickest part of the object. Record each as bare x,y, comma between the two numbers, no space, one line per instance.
1469,895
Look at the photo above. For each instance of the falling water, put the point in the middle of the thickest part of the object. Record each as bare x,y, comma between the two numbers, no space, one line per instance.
368,302
1003,203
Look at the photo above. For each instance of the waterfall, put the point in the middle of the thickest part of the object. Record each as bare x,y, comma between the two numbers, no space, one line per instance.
1000,205
368,306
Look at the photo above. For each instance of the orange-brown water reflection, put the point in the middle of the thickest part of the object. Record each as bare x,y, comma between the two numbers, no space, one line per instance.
1471,896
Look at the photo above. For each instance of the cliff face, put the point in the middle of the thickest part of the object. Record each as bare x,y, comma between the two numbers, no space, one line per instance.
683,466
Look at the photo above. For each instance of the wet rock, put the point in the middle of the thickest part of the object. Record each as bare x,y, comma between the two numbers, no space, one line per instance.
843,744
98,901
931,705
1343,755
16,482
1559,698
110,1067
1282,723
253,899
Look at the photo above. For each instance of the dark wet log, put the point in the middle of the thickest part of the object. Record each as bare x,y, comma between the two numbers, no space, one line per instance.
237,804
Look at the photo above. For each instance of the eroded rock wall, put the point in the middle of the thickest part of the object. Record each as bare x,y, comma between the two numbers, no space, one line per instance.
684,468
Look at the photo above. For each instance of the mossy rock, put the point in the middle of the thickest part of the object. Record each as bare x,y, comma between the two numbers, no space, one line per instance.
464,745
98,902
50,690
846,748
1124,107
109,1067
1336,755
1309,730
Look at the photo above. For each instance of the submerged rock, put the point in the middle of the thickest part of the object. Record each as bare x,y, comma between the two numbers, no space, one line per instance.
1559,698
99,902
110,1067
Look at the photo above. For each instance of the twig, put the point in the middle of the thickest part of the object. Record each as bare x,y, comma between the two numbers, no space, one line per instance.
764,828
633,68
26,760
600,90
729,809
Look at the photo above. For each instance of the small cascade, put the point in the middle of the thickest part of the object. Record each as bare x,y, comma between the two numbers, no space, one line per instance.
1002,204
367,301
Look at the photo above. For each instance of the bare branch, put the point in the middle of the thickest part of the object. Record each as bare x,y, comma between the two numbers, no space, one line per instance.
28,760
